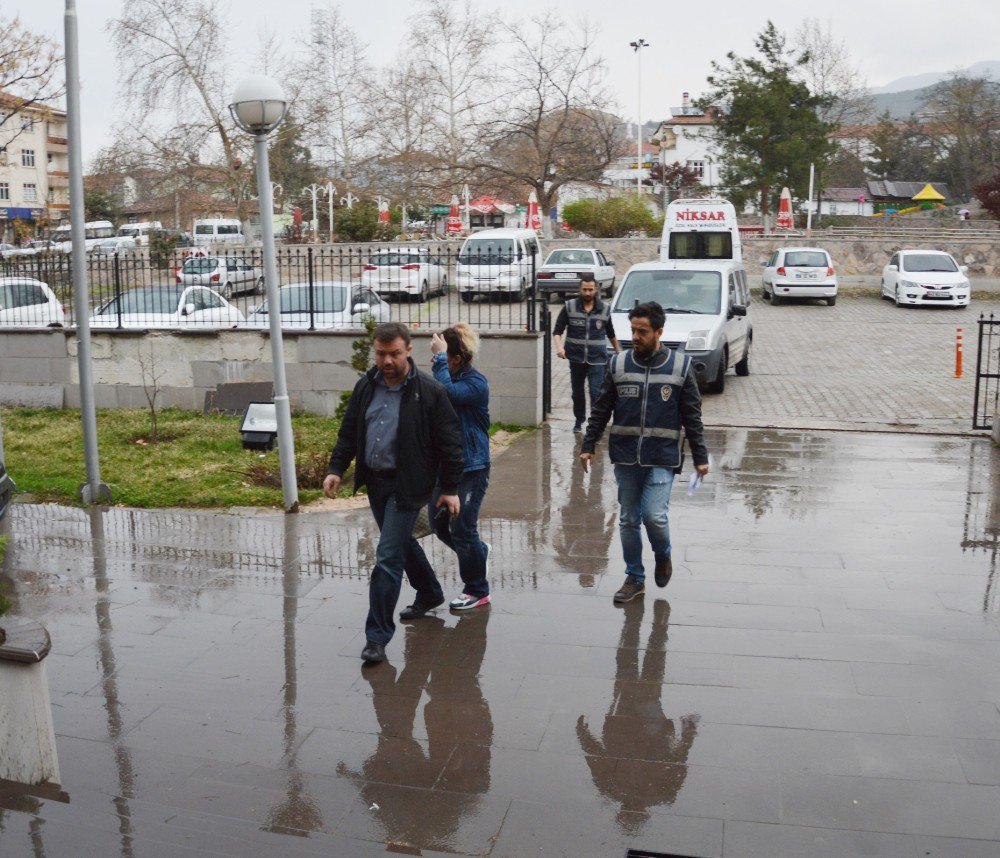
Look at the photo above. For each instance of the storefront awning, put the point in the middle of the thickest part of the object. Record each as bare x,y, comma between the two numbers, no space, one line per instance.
23,213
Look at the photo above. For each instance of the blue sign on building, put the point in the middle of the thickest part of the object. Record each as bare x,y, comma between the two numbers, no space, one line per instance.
23,213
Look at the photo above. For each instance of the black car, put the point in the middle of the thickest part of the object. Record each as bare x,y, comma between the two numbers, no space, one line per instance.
6,489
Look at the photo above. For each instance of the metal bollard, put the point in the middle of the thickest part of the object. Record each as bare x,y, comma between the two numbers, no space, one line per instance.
958,352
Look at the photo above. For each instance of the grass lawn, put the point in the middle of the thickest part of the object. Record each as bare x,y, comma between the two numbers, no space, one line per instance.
200,462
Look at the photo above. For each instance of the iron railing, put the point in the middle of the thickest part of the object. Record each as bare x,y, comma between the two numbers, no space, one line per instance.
325,287
987,396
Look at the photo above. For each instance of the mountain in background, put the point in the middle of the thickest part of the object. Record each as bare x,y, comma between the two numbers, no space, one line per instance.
902,96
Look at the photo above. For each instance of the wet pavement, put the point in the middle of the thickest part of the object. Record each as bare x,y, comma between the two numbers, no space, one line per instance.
820,677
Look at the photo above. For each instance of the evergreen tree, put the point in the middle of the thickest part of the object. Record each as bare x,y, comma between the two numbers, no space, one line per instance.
767,122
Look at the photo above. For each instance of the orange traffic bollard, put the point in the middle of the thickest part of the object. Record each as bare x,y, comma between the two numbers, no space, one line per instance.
958,352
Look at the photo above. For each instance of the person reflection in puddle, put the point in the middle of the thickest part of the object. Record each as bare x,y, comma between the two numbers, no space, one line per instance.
444,663
641,759
587,528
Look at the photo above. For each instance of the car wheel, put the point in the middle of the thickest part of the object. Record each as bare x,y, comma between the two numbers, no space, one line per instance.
611,288
518,295
896,298
743,366
443,285
227,291
831,301
881,293
718,384
424,294
259,286
775,300
467,297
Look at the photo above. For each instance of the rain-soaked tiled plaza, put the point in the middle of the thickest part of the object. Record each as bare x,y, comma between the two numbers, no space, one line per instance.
820,678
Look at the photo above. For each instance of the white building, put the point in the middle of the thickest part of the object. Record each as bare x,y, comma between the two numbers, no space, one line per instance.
34,166
687,138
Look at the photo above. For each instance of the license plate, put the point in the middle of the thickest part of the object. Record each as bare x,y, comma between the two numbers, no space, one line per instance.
806,275
565,275
938,293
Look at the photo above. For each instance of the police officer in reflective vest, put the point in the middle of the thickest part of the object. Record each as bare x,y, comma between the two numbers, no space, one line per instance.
652,395
588,320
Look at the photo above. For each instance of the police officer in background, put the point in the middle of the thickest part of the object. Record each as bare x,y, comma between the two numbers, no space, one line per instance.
588,320
652,394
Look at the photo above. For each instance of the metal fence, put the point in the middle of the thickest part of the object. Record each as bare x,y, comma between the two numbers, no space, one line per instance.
987,395
326,287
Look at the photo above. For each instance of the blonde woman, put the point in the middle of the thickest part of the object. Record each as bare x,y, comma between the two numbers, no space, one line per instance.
469,391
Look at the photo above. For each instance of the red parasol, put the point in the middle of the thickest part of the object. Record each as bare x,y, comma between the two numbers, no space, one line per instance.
454,226
785,210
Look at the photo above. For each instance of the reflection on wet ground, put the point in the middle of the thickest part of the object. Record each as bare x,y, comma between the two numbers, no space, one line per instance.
822,681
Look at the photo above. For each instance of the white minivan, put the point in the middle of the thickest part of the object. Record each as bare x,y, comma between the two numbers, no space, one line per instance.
496,262
218,230
702,286
139,232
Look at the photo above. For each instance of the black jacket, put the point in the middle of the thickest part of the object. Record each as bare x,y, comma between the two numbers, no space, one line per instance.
428,445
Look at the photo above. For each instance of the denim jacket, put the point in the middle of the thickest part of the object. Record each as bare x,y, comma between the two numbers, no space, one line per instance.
469,392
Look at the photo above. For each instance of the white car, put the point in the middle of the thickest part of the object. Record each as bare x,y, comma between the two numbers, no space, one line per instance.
228,274
29,303
334,304
405,271
115,246
800,272
167,307
560,273
918,277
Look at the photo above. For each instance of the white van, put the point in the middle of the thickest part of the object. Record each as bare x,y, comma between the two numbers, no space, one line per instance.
139,232
218,230
702,286
704,228
496,262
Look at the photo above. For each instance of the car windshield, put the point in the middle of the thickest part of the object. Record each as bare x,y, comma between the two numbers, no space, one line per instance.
570,257
328,298
928,262
675,291
200,265
129,232
805,259
143,301
396,258
499,251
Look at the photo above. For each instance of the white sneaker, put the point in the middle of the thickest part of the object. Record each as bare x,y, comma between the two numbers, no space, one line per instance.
464,603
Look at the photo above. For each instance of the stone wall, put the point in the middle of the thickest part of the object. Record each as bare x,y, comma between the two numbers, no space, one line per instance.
852,257
39,368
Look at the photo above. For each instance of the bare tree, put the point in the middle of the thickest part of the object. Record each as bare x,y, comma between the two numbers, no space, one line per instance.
397,98
453,42
334,75
556,127
151,376
30,67
171,54
831,73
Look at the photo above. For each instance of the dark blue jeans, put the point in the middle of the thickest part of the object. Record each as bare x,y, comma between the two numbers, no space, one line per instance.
397,552
593,375
461,534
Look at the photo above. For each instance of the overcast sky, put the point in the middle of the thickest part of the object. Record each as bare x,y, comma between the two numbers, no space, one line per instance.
889,39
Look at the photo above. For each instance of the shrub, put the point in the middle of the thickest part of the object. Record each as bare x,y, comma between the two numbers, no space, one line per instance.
612,218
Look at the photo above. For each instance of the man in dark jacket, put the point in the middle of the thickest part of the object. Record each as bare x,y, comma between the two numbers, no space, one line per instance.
404,433
652,395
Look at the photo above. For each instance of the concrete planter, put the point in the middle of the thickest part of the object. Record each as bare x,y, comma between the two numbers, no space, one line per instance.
27,738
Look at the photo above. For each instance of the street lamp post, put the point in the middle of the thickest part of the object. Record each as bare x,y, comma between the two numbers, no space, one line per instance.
258,107
315,190
637,46
330,191
349,200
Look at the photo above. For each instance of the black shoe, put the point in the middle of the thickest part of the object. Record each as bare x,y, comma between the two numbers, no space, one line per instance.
419,608
630,589
664,569
578,428
373,653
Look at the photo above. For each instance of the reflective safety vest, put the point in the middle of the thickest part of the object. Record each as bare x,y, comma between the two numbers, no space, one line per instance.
646,429
587,333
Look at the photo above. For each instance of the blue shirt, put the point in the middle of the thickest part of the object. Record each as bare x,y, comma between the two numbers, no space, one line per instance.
382,424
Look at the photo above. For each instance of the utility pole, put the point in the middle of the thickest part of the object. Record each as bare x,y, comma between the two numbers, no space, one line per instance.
637,46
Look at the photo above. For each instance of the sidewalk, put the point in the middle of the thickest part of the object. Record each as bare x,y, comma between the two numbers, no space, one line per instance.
820,677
